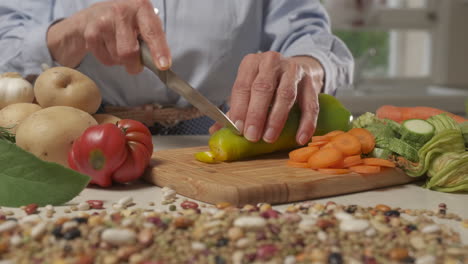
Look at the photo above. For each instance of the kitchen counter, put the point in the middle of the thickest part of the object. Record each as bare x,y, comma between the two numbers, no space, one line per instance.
409,196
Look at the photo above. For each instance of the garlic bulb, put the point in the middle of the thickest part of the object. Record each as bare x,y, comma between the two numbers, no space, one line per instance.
14,89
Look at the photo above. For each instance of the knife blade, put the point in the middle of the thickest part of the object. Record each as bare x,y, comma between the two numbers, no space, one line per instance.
185,90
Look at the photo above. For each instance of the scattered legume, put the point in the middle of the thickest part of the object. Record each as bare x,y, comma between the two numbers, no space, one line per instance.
31,208
309,233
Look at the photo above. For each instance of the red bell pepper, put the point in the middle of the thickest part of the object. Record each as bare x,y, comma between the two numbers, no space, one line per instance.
112,153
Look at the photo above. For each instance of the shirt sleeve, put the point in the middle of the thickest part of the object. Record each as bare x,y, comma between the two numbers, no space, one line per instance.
23,33
302,28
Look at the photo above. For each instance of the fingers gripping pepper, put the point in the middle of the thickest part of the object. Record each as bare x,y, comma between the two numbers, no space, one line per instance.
112,153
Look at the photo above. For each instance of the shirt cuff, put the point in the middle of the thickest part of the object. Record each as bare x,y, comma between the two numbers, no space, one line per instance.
305,47
35,51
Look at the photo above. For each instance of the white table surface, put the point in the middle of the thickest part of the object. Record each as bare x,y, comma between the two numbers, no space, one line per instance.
409,196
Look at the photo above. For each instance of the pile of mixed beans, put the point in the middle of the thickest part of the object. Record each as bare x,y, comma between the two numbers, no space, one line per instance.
187,232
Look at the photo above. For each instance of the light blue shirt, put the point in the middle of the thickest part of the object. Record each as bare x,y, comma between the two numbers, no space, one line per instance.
208,39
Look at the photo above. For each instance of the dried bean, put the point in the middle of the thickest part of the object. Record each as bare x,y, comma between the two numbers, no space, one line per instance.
335,258
125,202
250,222
354,225
8,226
189,205
118,236
31,208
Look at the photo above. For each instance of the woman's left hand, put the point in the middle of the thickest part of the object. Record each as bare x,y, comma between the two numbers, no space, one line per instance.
267,80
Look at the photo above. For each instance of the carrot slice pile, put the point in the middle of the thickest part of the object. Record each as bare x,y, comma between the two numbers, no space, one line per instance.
352,161
347,144
378,162
325,158
334,171
296,164
302,154
365,137
339,152
365,169
318,143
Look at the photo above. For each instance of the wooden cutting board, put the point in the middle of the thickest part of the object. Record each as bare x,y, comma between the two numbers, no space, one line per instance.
265,179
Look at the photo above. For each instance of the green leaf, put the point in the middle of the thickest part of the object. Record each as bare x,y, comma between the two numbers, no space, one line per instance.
26,179
5,134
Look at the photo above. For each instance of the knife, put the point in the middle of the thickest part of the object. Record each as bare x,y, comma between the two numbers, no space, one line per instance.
184,89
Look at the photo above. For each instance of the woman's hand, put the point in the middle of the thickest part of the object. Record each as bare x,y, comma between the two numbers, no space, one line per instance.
110,31
267,80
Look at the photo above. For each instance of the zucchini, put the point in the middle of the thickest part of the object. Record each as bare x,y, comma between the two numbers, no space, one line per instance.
416,132
403,149
381,133
381,153
449,140
395,126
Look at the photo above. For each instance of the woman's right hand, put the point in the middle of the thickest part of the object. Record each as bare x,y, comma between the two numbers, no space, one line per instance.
110,31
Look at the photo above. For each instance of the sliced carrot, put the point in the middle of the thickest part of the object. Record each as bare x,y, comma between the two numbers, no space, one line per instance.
318,143
334,133
352,161
320,138
365,169
302,154
324,158
334,171
328,145
339,165
346,143
366,138
378,162
295,164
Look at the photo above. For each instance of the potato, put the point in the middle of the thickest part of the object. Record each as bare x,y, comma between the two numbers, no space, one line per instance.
67,87
106,118
49,133
12,115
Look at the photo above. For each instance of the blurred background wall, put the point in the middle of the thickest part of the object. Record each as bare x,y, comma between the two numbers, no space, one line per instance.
415,48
